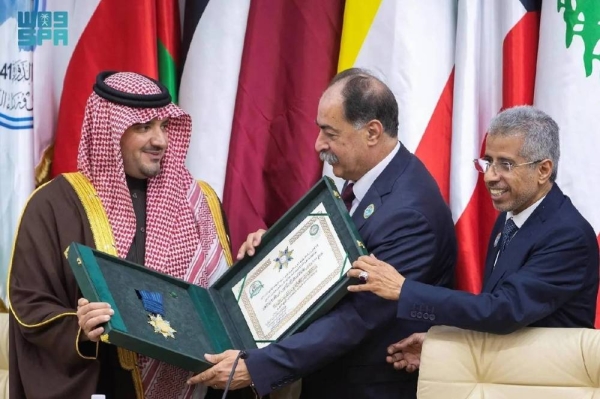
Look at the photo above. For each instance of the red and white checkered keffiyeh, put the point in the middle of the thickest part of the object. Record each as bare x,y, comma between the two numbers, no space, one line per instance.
181,237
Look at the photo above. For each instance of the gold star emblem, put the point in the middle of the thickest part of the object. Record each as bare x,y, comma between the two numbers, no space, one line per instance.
161,326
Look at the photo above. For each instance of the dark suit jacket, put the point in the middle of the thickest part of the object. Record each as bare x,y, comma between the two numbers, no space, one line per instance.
342,355
546,277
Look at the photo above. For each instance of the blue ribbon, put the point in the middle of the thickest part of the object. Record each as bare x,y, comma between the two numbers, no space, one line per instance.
152,301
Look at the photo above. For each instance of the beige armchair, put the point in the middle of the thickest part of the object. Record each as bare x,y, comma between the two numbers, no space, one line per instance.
548,363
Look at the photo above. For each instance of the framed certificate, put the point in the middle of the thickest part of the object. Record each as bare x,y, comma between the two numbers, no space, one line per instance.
289,280
297,274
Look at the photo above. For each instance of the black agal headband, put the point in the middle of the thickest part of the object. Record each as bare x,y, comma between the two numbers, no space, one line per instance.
129,99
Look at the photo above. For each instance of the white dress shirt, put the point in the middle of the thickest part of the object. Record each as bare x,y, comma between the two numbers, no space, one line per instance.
362,185
520,219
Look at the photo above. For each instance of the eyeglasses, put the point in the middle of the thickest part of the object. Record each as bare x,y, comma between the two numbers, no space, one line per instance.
482,165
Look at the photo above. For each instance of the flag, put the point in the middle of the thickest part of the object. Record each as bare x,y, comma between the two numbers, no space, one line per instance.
290,54
51,64
496,50
567,87
168,35
17,158
394,40
109,35
213,39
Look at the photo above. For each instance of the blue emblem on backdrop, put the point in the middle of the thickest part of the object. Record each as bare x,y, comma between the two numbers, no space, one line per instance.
9,8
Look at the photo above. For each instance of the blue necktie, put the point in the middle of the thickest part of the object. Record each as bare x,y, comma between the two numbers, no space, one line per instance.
510,229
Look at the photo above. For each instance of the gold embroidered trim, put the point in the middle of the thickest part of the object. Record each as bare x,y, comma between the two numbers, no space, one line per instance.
215,209
42,170
42,323
99,224
81,354
104,241
128,361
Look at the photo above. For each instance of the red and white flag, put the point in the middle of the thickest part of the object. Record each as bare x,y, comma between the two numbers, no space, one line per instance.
452,66
410,46
496,49
104,35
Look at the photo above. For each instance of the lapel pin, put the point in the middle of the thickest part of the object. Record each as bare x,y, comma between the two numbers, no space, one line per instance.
369,211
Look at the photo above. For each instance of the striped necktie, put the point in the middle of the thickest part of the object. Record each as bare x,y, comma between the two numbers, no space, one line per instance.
510,229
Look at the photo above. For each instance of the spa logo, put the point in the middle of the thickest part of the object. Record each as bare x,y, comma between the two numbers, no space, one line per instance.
36,28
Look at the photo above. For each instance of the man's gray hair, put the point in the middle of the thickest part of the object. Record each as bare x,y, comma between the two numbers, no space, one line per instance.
538,129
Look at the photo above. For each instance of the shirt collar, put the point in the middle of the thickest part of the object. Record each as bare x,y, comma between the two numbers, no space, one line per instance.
363,184
522,216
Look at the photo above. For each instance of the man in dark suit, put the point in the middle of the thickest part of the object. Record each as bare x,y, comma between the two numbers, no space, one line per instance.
402,218
542,260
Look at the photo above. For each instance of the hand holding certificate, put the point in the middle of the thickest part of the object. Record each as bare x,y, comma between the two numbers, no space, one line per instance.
297,274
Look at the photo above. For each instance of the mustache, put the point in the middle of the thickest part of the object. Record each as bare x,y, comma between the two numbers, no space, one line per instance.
495,186
328,157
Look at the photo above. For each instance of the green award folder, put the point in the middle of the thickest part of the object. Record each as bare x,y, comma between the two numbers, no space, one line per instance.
297,274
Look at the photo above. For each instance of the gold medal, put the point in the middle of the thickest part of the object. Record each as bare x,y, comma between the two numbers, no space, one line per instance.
161,326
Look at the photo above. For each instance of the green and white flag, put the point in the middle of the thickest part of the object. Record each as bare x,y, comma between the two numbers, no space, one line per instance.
568,89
